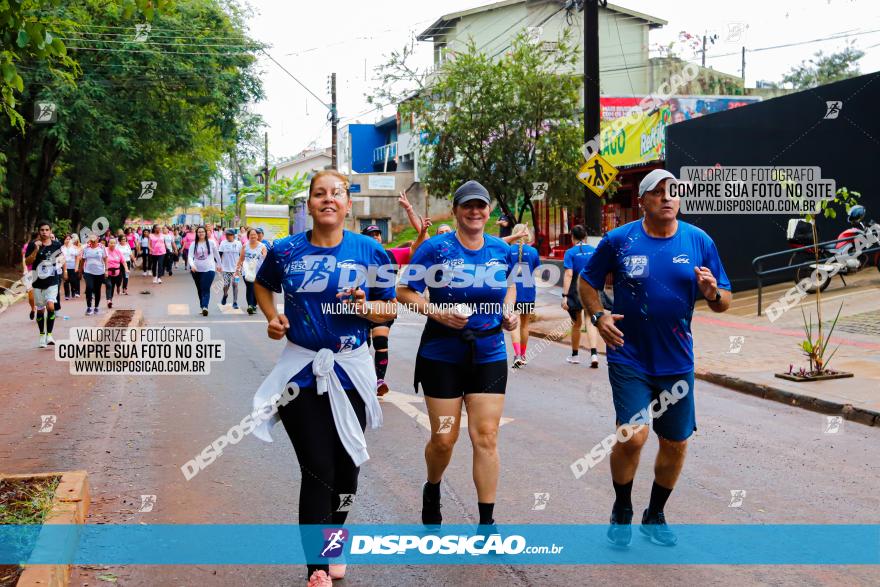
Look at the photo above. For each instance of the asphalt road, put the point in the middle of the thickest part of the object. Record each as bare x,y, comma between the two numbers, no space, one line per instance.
132,434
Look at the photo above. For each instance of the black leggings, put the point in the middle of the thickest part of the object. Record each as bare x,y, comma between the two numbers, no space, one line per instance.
71,284
113,282
93,288
157,264
249,294
326,469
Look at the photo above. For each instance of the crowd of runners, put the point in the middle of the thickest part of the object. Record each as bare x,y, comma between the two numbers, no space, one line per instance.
103,265
636,290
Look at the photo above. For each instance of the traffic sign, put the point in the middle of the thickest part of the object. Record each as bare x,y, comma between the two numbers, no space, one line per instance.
597,173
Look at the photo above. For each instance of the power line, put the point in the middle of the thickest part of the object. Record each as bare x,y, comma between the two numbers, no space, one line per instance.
108,50
831,38
275,61
185,45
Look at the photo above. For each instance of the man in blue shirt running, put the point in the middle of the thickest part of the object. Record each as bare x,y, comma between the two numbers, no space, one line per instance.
660,267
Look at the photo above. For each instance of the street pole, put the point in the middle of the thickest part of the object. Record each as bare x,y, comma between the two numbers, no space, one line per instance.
592,204
704,51
744,66
334,120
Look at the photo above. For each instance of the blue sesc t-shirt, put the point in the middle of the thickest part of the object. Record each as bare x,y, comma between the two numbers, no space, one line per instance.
655,289
524,272
576,258
310,277
488,269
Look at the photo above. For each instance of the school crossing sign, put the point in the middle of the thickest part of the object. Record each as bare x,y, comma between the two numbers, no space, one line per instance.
597,173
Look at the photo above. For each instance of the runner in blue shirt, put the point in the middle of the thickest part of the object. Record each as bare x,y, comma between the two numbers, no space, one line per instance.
661,268
527,260
573,262
322,310
462,356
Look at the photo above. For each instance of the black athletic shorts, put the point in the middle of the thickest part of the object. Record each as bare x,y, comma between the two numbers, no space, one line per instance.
443,380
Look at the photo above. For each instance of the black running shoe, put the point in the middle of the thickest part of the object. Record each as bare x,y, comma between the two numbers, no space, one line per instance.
620,531
430,509
654,527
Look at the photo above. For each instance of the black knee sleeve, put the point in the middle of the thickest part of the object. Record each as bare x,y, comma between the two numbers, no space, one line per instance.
380,343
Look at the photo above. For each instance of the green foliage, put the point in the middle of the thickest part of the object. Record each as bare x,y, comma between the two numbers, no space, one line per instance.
843,197
824,69
815,349
506,122
167,109
281,191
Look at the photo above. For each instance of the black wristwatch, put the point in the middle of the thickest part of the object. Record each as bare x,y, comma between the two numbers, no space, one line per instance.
717,296
595,317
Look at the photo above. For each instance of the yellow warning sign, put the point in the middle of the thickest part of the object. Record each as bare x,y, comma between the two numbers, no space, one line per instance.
597,173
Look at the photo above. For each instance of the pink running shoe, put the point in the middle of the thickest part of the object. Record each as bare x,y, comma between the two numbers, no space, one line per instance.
320,579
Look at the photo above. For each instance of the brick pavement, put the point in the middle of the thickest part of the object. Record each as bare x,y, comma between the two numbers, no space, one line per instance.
748,363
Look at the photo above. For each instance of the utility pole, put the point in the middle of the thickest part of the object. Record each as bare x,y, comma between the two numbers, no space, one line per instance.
704,51
592,207
744,66
266,168
334,121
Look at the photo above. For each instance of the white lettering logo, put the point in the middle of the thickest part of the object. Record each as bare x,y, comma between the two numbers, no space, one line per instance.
636,265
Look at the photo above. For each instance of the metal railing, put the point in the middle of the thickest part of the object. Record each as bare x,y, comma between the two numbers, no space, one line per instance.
824,256
379,152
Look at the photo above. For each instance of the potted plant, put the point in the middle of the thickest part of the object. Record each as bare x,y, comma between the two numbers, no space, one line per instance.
815,351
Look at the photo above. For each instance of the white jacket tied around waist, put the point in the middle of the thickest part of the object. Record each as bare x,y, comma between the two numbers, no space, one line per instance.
357,364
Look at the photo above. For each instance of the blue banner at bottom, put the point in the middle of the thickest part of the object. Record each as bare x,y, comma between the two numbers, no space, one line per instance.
788,544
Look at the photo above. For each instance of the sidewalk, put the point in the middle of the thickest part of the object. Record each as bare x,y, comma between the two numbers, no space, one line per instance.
768,348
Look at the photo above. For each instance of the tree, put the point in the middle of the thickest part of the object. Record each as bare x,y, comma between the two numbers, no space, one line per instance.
165,110
506,122
281,191
824,69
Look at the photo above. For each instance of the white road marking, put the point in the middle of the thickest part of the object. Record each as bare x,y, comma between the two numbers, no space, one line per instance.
407,404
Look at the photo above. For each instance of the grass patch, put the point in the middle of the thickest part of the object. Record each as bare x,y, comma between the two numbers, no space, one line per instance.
24,501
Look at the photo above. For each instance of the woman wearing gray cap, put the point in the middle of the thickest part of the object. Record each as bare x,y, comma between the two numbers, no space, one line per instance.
462,356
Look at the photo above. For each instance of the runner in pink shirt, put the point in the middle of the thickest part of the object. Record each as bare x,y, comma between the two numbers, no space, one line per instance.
115,269
157,253
186,242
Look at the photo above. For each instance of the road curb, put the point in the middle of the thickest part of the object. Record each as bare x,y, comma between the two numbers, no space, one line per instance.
768,392
807,402
70,506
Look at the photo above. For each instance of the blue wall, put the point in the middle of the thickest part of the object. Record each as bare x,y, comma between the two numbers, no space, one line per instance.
364,138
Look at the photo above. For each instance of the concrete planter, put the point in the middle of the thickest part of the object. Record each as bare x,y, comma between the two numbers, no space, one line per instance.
822,377
70,506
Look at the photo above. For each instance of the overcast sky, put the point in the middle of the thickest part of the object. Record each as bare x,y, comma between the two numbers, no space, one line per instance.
351,37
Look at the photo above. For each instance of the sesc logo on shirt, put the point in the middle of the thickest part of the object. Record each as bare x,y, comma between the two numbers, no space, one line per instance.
347,343
636,266
317,269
